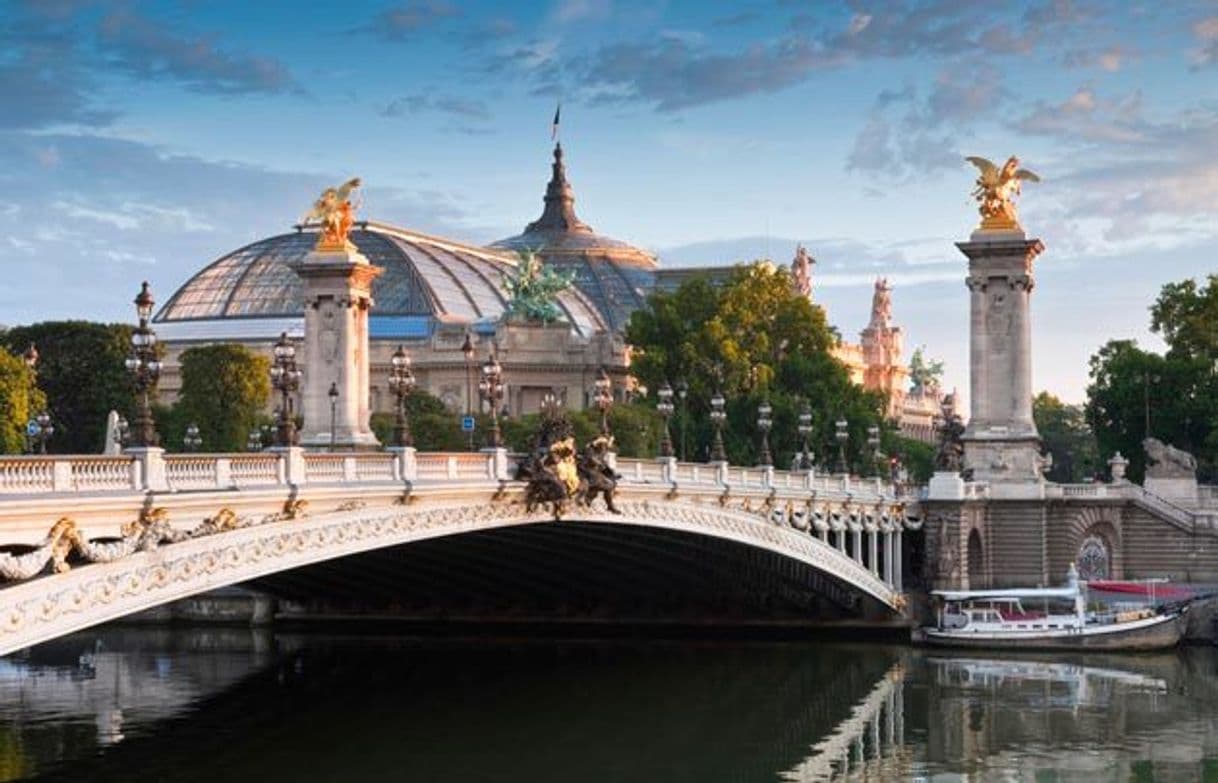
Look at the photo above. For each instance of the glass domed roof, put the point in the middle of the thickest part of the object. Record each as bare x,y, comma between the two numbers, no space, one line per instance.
615,275
424,276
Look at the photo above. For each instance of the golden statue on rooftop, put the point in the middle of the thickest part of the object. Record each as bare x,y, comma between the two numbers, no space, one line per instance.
995,191
335,214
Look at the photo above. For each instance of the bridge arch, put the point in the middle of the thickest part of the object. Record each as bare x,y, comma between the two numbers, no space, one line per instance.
51,606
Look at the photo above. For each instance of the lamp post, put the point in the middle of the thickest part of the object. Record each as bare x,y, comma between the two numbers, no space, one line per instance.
39,428
682,393
602,397
402,382
253,441
765,421
37,431
873,450
841,435
467,350
286,379
805,431
491,390
718,415
145,369
665,408
333,395
192,440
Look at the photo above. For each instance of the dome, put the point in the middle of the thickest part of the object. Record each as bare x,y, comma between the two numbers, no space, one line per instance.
426,280
615,275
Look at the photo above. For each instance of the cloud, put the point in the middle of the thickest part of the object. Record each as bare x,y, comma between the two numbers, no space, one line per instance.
1110,59
467,108
111,212
400,22
143,48
1085,116
568,11
44,77
1206,33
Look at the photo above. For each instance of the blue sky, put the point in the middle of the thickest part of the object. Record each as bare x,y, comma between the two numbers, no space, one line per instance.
144,139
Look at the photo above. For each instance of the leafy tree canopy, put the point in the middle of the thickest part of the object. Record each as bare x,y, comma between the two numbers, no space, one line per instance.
1186,314
19,401
225,389
756,339
1067,436
80,368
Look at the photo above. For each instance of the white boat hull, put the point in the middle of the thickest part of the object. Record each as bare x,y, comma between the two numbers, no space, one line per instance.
1152,633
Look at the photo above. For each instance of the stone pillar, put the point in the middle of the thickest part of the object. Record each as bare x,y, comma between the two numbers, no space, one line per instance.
873,562
898,574
337,296
888,556
1001,444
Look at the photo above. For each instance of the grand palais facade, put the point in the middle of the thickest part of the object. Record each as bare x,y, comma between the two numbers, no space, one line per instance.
435,293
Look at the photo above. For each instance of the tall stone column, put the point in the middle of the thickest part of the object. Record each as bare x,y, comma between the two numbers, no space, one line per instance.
1001,444
338,296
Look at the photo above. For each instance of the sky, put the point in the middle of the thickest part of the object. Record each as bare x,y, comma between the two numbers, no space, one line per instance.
142,140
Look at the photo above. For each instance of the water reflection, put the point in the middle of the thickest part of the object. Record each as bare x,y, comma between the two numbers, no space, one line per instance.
186,705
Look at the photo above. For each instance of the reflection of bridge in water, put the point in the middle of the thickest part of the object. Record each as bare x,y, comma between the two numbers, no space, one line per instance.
869,744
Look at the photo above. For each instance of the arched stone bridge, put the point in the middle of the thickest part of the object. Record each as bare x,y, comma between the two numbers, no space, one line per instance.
86,539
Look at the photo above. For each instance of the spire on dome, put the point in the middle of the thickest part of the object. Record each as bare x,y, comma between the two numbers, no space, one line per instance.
559,212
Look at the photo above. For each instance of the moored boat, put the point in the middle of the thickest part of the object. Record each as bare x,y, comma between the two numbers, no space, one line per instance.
1054,618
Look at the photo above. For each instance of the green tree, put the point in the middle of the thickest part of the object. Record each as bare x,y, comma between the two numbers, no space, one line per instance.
81,371
433,425
757,340
19,401
225,389
1186,314
1067,436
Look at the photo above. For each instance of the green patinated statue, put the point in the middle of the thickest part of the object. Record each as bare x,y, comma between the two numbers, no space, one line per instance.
534,290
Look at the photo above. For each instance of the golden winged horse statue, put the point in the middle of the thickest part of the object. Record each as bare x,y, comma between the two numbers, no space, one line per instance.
335,214
995,191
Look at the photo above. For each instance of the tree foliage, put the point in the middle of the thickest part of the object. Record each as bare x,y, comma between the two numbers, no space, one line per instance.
757,340
80,369
433,425
19,401
1067,436
225,389
1174,396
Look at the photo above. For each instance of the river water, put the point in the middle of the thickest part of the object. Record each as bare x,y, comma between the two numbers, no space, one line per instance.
134,704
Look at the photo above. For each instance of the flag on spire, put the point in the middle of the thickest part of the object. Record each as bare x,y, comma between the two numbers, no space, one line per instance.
554,126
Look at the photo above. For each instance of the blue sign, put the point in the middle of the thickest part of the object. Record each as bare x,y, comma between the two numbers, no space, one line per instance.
31,428
467,423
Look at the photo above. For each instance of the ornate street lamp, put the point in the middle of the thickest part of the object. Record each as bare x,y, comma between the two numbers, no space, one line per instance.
286,379
192,440
764,422
602,397
333,395
718,415
491,390
805,431
253,442
402,383
38,431
873,450
682,393
39,428
145,369
841,435
467,350
665,408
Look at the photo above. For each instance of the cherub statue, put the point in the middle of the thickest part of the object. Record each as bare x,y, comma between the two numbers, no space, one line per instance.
995,191
335,214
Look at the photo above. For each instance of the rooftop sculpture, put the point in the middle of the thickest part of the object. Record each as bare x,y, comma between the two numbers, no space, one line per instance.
995,191
335,214
535,289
